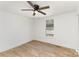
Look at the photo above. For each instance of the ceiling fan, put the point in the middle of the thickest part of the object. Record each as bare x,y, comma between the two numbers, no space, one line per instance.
35,8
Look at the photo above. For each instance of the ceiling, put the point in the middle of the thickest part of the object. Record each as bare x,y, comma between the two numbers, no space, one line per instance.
56,7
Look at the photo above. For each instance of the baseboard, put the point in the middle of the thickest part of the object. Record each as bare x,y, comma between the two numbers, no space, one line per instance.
55,44
14,46
77,50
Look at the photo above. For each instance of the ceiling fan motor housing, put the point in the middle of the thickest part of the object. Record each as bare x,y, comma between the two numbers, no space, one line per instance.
36,7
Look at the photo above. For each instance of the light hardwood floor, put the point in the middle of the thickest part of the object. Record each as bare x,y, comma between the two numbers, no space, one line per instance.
39,49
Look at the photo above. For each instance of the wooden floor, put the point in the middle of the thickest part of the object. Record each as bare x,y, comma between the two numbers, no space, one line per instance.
39,49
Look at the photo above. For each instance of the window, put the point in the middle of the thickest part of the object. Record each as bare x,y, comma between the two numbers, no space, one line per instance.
49,27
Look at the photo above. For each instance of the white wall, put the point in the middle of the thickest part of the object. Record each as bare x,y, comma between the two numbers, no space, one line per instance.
65,30
78,26
14,30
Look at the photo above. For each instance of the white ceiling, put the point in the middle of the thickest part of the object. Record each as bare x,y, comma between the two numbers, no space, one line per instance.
56,7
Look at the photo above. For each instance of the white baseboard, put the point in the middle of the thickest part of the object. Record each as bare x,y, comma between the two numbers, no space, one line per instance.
14,46
77,51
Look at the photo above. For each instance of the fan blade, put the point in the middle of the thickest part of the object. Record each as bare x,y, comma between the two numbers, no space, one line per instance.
46,7
42,12
30,3
27,9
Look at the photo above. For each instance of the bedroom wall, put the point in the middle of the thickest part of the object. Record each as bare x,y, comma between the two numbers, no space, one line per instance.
14,30
78,27
65,30
67,25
